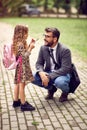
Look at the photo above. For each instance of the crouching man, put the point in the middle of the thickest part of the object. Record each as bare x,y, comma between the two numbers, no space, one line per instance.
53,65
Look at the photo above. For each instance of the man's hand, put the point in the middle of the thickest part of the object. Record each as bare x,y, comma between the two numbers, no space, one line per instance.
44,78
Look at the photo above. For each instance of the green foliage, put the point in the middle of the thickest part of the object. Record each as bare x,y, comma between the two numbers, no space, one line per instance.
58,3
3,83
10,7
0,109
50,4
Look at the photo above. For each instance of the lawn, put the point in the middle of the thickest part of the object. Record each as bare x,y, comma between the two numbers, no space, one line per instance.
73,31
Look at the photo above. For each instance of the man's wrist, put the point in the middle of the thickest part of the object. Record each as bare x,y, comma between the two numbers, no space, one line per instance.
48,76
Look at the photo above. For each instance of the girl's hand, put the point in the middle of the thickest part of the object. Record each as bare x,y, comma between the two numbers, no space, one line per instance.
32,40
32,44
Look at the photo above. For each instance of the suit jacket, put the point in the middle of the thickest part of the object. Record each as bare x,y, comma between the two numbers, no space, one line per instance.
63,58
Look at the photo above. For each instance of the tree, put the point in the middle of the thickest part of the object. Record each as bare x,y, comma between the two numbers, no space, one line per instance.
57,4
3,8
83,7
9,6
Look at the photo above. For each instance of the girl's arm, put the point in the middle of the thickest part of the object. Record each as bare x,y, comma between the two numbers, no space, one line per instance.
30,47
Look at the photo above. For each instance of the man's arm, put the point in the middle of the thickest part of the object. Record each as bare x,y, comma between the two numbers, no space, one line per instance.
40,68
40,61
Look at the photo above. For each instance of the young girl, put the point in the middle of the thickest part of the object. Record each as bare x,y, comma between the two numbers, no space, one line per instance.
23,73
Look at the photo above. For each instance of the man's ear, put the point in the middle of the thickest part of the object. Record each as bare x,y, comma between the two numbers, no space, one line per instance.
55,39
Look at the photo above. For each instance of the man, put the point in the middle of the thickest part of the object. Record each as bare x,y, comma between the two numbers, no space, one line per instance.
53,65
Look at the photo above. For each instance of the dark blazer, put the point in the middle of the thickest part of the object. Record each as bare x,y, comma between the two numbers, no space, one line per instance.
63,58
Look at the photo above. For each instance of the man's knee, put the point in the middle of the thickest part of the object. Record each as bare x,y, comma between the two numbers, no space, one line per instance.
62,84
59,82
62,80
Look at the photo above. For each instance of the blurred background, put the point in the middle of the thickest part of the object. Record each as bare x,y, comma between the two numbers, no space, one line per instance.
39,8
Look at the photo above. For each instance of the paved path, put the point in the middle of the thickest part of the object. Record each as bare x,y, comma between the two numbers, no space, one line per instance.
49,115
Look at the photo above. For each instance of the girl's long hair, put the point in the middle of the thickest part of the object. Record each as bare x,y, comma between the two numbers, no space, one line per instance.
19,37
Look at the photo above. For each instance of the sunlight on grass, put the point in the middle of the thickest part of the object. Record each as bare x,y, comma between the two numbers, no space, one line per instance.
73,31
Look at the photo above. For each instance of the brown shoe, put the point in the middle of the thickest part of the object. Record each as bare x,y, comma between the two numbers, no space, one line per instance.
63,97
51,93
49,96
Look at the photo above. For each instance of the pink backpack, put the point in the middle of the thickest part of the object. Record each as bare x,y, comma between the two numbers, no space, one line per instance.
9,60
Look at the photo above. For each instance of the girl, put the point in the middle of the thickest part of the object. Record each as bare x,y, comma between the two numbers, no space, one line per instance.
23,73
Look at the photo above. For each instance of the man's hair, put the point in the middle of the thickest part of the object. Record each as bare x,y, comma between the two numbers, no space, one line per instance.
55,31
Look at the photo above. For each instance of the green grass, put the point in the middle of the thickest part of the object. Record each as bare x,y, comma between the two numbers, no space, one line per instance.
73,31
35,123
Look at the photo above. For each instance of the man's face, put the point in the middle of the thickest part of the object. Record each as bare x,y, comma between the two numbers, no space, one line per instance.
48,39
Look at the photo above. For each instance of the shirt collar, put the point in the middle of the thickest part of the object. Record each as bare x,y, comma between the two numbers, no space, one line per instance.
54,48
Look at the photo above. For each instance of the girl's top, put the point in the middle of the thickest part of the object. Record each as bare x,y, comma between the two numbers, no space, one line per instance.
23,71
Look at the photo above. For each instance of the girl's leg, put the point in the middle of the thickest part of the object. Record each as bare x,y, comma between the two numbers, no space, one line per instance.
16,102
22,92
16,92
25,106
